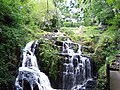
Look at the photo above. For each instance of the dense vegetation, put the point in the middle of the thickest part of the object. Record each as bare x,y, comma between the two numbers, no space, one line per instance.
102,34
20,22
95,24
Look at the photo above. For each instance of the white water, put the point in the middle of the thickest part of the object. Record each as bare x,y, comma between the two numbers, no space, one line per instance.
30,72
76,68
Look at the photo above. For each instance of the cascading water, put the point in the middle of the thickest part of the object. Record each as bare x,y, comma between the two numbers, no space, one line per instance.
76,68
76,71
29,76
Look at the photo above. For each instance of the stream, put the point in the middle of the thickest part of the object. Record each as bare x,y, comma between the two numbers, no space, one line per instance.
76,69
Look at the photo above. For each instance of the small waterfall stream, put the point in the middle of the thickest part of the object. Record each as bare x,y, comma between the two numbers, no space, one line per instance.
29,76
76,69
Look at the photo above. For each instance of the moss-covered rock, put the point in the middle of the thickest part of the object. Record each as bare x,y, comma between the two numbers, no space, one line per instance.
49,60
98,44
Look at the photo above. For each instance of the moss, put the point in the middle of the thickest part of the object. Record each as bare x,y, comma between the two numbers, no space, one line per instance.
49,56
101,42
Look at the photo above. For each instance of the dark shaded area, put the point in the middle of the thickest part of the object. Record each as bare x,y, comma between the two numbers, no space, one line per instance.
26,85
91,85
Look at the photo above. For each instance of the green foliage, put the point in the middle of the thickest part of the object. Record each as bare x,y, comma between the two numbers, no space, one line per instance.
104,42
76,24
67,24
101,46
12,39
102,78
21,20
96,11
71,33
71,24
49,57
19,23
28,12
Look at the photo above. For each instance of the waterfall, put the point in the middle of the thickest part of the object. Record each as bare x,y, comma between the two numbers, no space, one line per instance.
76,73
76,68
29,76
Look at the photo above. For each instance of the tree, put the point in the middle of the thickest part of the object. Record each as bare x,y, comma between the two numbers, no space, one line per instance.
19,21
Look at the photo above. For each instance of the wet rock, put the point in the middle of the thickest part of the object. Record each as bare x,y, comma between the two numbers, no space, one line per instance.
58,43
91,84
